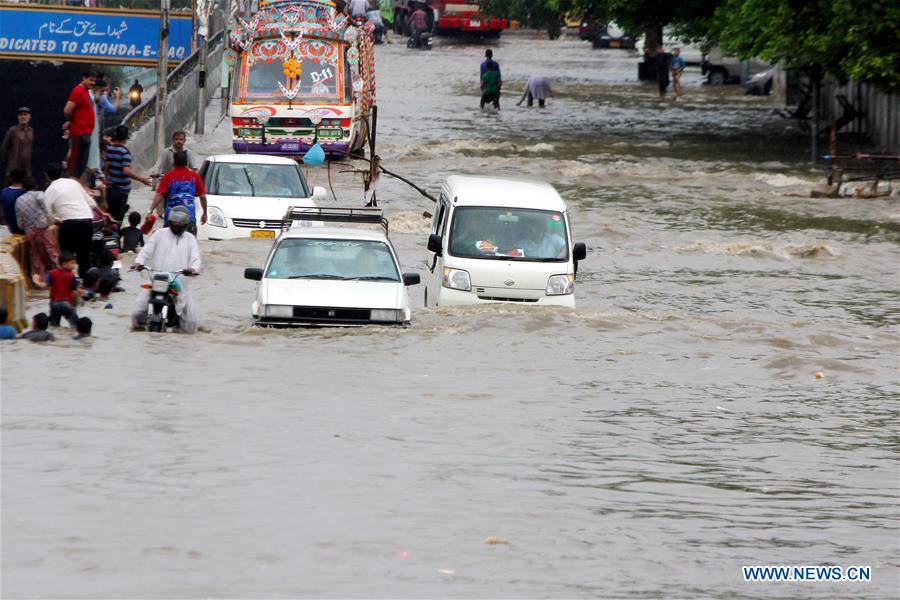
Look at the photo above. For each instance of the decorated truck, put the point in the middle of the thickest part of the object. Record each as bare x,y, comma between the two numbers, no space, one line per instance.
302,74
450,18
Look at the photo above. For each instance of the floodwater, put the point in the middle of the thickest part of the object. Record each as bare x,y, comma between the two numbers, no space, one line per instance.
648,443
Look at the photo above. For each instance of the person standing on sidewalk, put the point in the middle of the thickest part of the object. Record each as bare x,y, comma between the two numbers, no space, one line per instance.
103,105
119,174
31,214
79,125
68,203
15,151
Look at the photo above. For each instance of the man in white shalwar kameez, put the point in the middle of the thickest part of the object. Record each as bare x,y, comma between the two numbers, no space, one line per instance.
171,249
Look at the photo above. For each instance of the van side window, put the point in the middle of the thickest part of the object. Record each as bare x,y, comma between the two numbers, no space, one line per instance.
439,216
445,216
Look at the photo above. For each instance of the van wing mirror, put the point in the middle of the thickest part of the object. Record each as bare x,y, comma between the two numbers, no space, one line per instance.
319,193
253,273
435,244
411,279
579,251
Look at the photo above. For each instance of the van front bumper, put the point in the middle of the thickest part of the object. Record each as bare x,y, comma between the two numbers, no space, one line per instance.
451,297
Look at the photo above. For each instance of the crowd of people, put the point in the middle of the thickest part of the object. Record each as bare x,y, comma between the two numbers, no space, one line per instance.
86,198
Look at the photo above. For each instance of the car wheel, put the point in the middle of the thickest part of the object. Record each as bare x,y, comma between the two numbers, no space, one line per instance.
768,88
717,77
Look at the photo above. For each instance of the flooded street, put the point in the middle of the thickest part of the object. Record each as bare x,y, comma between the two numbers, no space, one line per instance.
649,443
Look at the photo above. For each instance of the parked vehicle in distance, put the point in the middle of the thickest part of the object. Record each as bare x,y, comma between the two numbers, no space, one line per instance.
611,36
332,275
760,84
247,195
500,240
450,18
720,69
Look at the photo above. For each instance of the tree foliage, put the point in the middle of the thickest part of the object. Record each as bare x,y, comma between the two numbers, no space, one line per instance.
842,38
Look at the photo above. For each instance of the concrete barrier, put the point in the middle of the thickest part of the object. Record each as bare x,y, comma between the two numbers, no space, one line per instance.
12,283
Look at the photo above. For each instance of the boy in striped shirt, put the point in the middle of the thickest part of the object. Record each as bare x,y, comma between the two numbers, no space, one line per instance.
119,174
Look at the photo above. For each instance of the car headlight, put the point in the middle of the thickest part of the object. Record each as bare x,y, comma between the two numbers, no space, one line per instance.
385,314
560,285
282,311
456,279
215,217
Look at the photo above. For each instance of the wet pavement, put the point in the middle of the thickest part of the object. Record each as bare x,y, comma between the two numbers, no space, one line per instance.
648,443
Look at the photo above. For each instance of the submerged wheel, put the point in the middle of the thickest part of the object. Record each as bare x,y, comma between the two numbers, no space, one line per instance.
717,77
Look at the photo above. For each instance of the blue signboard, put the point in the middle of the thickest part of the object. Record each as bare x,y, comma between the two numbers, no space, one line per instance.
121,37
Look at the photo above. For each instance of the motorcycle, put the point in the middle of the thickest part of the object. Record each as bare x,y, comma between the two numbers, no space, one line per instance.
424,42
164,290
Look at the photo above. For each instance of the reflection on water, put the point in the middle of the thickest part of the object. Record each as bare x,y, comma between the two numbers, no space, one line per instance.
648,443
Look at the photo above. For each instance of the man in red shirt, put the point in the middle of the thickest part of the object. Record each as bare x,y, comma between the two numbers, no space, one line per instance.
79,123
179,187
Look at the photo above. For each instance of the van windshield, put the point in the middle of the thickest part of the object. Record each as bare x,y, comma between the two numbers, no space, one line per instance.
509,234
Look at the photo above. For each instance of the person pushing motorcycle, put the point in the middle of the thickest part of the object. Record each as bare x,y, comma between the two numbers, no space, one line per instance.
175,250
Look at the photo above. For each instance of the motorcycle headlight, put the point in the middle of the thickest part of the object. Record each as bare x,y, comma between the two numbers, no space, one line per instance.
560,285
389,315
456,279
281,311
215,217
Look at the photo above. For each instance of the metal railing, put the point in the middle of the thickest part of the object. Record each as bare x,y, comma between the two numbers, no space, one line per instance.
146,110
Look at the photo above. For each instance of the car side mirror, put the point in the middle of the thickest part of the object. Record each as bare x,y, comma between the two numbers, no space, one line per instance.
579,251
319,193
253,273
435,244
411,279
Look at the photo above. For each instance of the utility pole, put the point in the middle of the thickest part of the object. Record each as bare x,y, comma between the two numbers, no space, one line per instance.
226,74
162,72
203,30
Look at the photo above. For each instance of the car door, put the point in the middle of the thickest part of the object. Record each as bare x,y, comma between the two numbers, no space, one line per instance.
435,264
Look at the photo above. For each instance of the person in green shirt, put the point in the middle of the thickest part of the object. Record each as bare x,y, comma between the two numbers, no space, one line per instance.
490,86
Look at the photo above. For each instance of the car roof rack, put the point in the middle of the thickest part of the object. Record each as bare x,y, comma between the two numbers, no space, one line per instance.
372,216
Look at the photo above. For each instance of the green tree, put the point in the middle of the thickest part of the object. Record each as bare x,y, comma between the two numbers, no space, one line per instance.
841,38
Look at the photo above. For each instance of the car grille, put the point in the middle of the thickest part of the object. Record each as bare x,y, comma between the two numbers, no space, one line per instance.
254,223
501,299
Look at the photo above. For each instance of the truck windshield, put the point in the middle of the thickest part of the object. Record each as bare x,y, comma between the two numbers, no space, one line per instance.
321,73
307,258
509,234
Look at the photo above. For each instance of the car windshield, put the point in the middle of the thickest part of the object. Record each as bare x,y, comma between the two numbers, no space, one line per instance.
304,258
245,179
509,234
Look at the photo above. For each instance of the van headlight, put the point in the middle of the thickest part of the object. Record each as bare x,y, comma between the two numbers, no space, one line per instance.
279,311
215,217
389,315
457,279
560,285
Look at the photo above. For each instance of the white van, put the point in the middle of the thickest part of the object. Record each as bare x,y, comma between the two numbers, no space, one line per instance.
500,240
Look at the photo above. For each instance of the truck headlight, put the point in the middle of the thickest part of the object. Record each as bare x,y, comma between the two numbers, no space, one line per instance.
215,217
280,311
560,285
457,279
389,315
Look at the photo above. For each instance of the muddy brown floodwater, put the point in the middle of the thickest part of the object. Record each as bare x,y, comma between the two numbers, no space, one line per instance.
648,443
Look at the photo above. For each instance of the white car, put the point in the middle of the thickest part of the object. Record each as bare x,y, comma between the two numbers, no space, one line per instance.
247,195
332,275
501,240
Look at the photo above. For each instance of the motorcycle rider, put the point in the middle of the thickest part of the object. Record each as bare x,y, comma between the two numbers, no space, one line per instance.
171,249
419,21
